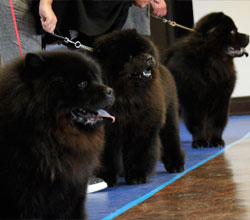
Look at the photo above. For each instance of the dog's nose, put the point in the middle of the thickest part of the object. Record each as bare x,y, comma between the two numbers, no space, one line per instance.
109,92
149,60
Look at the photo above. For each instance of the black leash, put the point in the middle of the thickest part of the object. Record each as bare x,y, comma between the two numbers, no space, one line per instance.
173,23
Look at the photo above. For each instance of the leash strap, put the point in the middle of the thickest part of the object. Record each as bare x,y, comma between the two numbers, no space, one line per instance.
15,26
173,23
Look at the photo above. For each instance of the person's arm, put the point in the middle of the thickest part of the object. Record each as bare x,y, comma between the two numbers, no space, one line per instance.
48,17
141,3
159,7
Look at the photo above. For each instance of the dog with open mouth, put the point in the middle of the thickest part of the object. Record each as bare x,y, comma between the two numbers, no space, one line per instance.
202,65
52,108
146,109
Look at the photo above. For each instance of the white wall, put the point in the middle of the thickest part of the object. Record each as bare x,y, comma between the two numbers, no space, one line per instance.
239,11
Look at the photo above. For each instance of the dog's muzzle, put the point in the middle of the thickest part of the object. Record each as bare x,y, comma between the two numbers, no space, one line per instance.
146,71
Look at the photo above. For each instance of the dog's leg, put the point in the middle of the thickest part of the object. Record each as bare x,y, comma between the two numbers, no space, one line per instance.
173,155
79,210
195,119
111,161
140,155
217,122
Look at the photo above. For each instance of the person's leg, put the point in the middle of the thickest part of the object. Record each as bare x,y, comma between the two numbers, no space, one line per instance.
29,40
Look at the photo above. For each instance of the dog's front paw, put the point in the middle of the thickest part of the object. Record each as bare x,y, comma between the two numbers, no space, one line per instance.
110,179
200,144
218,142
175,164
174,167
138,179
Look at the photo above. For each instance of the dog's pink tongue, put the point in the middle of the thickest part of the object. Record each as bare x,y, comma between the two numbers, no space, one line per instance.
104,114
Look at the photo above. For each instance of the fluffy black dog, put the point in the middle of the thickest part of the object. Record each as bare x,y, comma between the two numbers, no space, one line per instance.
50,134
202,65
146,109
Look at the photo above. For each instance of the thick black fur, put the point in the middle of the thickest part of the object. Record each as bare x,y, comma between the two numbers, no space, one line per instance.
202,65
46,154
146,109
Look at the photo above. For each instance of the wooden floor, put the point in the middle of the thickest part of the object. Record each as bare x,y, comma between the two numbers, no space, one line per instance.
217,190
214,186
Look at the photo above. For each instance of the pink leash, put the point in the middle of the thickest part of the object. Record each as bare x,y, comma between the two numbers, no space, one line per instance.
15,26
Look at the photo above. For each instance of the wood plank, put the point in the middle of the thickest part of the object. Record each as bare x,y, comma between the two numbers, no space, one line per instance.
240,106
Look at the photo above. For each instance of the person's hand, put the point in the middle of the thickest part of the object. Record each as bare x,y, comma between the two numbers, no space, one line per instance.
141,3
159,7
48,17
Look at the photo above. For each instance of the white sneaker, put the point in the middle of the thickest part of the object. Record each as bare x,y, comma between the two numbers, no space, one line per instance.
96,184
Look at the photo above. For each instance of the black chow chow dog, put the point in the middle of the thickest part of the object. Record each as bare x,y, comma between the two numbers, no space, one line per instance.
146,109
51,108
202,65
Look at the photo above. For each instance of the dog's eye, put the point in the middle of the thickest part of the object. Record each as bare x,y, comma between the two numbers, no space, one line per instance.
83,84
233,32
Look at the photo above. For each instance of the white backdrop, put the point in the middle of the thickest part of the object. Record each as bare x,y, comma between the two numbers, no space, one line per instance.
239,11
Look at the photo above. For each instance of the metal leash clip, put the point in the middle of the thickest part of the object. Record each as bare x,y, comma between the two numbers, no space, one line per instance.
77,44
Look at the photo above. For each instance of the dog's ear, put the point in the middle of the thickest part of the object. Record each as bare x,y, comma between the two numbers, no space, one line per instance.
33,65
208,23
